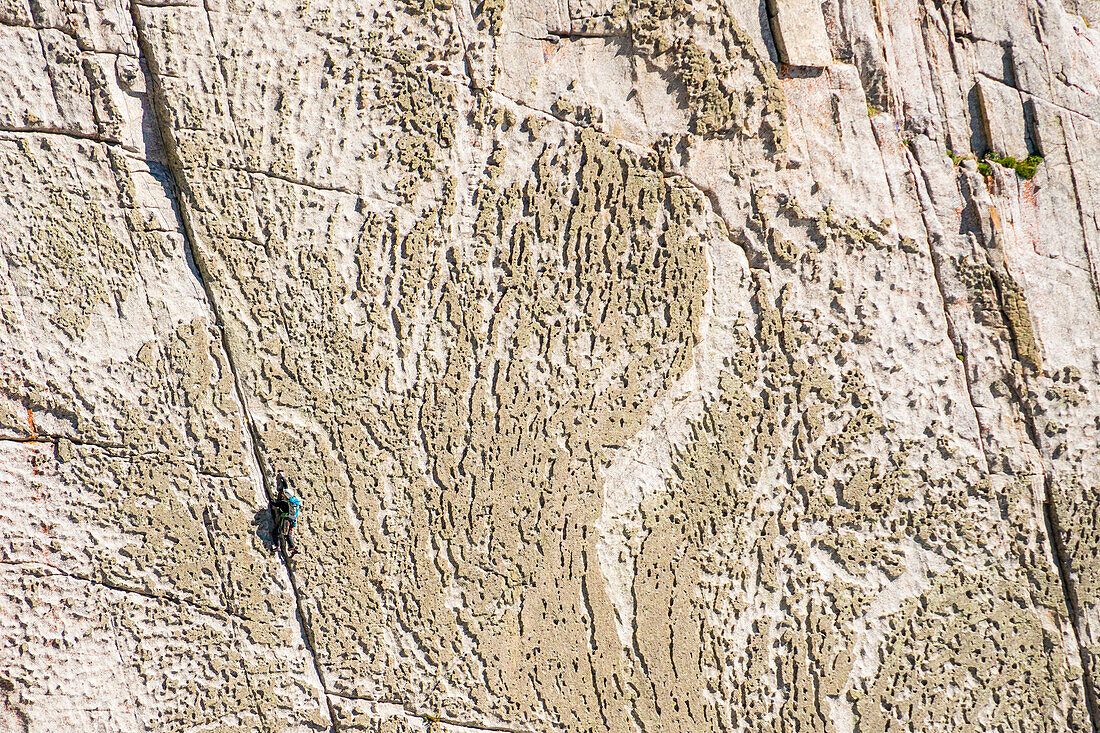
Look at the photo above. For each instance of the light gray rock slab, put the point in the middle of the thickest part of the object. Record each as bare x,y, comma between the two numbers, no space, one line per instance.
799,31
1003,119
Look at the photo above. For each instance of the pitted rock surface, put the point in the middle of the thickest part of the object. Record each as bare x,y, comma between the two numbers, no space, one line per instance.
654,365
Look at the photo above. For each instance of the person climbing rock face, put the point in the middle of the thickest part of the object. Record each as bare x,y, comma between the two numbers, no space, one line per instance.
284,515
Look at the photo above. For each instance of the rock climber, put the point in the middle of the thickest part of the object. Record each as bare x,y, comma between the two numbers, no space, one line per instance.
284,513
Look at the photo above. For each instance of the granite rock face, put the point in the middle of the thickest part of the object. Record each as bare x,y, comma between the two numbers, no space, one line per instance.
654,365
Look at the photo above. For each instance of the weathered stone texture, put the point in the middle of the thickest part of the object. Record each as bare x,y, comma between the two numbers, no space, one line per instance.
634,374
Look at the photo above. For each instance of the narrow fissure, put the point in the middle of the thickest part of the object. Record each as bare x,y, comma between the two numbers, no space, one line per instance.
54,571
50,439
1073,606
253,436
72,134
1050,514
1058,551
925,205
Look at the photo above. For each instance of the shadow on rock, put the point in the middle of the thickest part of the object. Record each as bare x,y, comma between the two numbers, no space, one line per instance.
264,526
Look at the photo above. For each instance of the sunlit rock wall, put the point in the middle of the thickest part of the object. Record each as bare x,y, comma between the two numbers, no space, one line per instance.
660,365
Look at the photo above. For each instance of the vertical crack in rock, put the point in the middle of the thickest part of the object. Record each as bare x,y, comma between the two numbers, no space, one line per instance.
933,234
1058,552
1062,562
960,351
1090,259
1052,527
208,527
465,51
252,436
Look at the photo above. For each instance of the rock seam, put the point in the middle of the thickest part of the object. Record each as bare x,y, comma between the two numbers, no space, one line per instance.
252,435
1050,513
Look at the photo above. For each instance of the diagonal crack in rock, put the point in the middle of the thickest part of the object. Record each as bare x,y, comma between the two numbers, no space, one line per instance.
252,437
